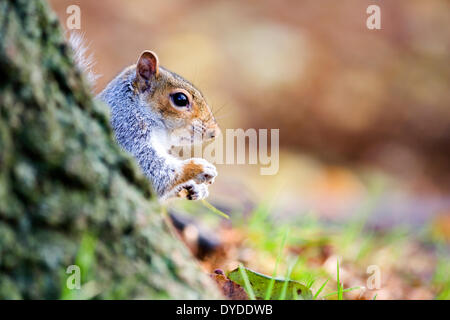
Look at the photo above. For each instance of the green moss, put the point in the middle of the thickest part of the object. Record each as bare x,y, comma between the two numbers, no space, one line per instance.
62,176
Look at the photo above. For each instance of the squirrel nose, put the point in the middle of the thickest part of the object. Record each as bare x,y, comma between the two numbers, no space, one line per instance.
213,132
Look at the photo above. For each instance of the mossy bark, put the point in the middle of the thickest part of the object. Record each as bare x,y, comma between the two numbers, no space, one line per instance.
68,194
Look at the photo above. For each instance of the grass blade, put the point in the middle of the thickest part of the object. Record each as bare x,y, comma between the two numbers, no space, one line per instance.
286,282
272,281
320,289
214,209
342,291
248,286
339,286
310,283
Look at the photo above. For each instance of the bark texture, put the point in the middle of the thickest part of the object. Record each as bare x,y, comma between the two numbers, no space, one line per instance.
68,194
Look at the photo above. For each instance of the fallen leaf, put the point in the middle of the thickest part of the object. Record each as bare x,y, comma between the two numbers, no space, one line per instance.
230,289
260,282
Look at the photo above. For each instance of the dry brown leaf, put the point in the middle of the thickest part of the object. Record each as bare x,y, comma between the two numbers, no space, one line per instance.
229,289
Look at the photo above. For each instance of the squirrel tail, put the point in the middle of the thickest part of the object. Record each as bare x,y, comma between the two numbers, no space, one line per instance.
83,61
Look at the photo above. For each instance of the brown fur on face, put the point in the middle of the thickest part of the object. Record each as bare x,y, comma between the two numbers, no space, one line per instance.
161,86
166,83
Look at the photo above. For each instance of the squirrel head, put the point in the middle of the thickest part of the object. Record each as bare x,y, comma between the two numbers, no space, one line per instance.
181,106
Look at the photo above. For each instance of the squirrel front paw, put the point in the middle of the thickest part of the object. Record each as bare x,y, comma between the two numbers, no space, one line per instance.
192,190
200,170
193,179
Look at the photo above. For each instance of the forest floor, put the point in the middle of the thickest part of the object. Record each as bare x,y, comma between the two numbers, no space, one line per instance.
409,265
382,253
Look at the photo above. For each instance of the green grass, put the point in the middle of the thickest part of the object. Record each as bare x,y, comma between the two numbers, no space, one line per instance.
248,286
353,241
280,252
320,289
340,287
287,278
85,260
338,281
441,278
340,292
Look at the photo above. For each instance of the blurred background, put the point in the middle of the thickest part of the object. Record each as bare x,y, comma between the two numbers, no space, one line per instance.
364,115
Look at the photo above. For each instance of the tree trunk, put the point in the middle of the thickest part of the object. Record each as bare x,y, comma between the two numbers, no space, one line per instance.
68,194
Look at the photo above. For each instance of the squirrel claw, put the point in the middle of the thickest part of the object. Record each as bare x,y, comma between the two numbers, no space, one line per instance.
193,191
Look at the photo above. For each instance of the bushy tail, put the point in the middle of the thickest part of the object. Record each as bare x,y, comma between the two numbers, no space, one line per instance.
83,61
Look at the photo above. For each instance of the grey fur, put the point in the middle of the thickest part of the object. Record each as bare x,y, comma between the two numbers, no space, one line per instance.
137,128
83,61
134,125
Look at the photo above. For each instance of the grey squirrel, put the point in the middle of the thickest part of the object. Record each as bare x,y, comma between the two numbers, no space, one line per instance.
152,110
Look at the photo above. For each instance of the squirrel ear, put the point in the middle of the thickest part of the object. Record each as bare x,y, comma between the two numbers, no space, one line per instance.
147,65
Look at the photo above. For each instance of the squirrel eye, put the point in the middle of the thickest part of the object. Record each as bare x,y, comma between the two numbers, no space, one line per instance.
179,99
